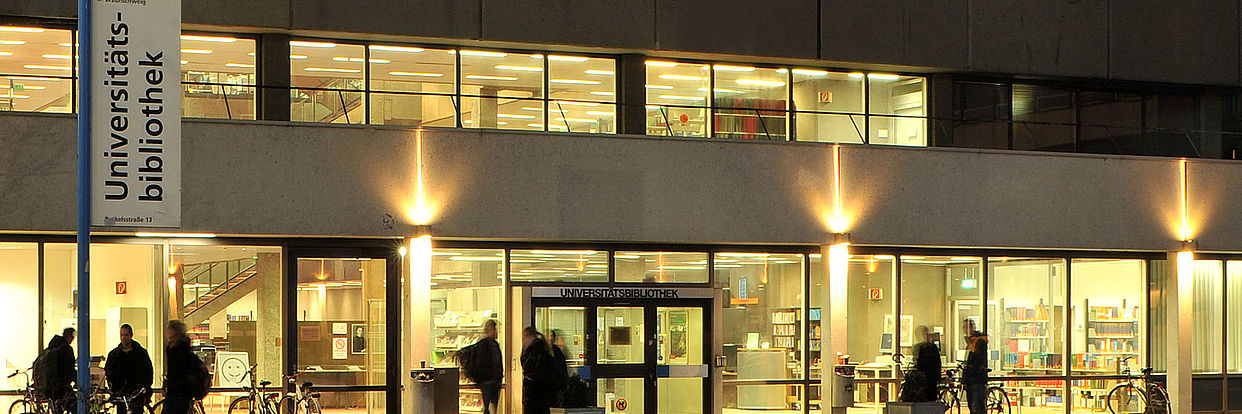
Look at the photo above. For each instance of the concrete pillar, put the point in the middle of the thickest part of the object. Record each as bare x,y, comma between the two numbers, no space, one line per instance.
269,320
274,82
835,264
1178,326
632,94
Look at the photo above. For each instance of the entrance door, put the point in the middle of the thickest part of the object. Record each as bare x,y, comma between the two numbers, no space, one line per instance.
635,358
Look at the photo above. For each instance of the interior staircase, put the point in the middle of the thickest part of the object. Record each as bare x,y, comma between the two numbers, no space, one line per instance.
216,285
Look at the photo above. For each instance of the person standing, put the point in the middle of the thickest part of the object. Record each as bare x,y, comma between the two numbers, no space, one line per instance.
927,363
536,372
560,369
180,368
486,367
975,368
129,371
59,371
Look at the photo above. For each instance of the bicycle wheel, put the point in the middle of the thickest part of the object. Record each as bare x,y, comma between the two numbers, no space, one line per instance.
287,406
1126,398
950,400
243,405
1157,400
997,401
312,406
22,406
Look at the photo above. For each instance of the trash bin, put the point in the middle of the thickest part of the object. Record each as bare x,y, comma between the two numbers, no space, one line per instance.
435,390
843,387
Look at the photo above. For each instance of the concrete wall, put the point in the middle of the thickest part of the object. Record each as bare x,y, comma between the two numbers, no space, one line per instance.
1197,42
279,179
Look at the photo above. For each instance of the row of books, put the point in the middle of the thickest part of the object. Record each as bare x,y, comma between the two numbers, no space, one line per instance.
1110,345
1112,312
1039,313
1118,329
1032,360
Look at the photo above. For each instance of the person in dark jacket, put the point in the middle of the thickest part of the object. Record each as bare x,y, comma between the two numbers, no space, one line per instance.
975,368
60,349
927,363
536,372
491,370
180,365
129,371
560,369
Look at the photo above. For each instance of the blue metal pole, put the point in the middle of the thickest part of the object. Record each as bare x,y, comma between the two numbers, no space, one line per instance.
84,202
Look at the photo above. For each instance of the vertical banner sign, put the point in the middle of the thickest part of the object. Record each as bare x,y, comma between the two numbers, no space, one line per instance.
136,113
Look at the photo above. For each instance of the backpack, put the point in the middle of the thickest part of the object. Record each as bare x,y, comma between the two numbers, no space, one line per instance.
468,360
43,374
560,370
200,380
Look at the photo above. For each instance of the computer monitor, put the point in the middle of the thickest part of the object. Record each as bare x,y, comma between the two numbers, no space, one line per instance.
886,343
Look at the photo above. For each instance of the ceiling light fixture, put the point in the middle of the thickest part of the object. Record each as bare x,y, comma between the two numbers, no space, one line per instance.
567,58
240,65
217,39
730,68
515,116
574,81
660,63
480,53
810,72
45,55
12,42
490,77
600,113
600,72
576,103
197,51
423,74
673,76
47,67
521,68
21,29
882,76
402,49
683,97
321,45
760,82
658,87
603,93
359,60
338,70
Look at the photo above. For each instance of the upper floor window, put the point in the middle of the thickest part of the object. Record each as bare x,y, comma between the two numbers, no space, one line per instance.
36,69
736,101
217,77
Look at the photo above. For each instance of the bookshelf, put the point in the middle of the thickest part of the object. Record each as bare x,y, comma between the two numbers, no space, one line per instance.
1111,333
1029,337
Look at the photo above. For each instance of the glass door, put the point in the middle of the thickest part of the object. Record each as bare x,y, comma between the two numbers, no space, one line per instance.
681,369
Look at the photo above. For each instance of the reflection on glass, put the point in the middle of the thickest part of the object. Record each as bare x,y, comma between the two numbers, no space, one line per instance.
896,95
1043,118
620,336
1110,320
1030,294
750,102
19,279
676,92
761,398
327,79
499,74
558,265
568,323
1092,396
870,282
981,114
680,333
823,91
661,267
340,304
36,69
218,77
412,86
680,395
764,310
898,130
621,395
815,127
962,278
466,292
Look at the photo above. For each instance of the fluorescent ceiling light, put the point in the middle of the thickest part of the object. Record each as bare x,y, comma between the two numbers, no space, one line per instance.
423,74
239,65
21,29
760,82
603,93
359,60
730,68
489,77
66,44
197,51
402,49
588,120
217,39
45,55
14,96
31,87
567,58
658,87
574,81
721,90
856,75
521,68
338,70
564,252
672,76
600,113
660,63
323,45
47,67
294,57
12,42
183,61
481,53
6,53
600,72
683,97
515,116
177,235
575,103
540,126
478,258
810,72
882,76
35,78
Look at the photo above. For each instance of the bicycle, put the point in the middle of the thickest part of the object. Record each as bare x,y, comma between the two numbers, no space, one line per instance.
1128,397
951,390
304,401
121,404
258,400
31,402
196,407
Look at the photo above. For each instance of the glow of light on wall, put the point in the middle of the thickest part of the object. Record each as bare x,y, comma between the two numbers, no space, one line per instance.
838,222
1185,270
838,264
421,212
1184,231
420,264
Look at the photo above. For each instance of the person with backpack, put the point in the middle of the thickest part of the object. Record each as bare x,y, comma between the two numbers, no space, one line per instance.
129,370
55,371
484,365
537,369
560,368
975,369
186,377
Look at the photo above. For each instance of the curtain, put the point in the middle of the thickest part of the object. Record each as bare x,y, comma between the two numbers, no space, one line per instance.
1206,333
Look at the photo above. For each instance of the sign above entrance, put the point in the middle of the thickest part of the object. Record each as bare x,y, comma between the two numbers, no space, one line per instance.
622,293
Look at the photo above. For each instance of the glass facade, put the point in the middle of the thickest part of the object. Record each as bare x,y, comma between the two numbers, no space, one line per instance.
36,69
218,77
